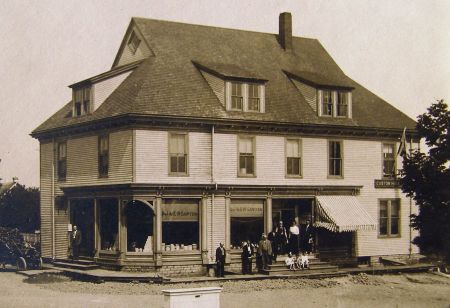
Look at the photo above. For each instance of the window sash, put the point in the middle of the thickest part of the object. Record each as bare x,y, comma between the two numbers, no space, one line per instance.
178,163
293,165
246,164
327,103
178,155
388,160
237,99
389,218
103,155
335,158
342,104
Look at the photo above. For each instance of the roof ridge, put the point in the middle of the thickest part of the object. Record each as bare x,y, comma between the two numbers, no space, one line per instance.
216,27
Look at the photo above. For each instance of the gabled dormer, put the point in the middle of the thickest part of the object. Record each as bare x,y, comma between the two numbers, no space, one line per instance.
133,48
89,94
328,97
236,88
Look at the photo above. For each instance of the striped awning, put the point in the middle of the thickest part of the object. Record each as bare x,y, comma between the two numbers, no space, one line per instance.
342,214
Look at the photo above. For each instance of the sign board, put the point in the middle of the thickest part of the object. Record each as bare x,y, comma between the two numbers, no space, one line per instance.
387,183
180,211
251,208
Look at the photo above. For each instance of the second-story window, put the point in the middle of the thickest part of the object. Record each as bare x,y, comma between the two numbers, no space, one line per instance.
62,160
335,158
178,154
237,99
327,103
253,97
246,156
342,104
293,157
388,160
103,155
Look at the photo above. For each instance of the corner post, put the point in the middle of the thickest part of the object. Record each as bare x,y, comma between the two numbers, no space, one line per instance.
204,228
227,227
158,216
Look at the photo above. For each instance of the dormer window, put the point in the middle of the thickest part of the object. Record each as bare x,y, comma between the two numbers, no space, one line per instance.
237,99
253,97
133,42
82,101
245,96
334,103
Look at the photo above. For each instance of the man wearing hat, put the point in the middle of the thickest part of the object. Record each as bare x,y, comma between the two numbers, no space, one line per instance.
265,251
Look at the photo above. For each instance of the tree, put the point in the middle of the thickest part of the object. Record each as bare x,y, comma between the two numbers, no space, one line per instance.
19,208
426,178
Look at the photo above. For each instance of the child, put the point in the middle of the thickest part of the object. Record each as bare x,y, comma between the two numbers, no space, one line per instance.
303,261
290,262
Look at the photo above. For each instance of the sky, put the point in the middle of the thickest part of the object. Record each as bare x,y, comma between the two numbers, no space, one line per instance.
398,49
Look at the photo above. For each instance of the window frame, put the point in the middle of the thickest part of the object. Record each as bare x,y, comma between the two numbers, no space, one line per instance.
383,159
62,176
341,175
133,42
82,100
338,100
389,218
300,157
328,103
239,173
186,154
241,97
102,173
251,97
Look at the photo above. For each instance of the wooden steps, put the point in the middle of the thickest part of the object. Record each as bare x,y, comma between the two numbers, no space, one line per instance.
80,264
315,266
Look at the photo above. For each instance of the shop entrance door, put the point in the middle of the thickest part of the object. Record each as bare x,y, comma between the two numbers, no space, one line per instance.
82,216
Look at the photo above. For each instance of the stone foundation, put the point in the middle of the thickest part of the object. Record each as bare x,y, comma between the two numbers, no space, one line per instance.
182,270
407,259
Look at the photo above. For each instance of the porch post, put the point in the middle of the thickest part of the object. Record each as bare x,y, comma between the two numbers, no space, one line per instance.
268,215
227,228
122,228
96,229
204,227
158,231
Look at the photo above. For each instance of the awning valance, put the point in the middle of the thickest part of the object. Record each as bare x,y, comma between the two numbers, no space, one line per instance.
342,214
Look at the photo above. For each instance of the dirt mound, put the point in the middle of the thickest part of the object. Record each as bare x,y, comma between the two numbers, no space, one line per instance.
364,279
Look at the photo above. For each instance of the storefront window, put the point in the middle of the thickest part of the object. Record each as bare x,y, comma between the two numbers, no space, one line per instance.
139,218
109,220
180,224
246,221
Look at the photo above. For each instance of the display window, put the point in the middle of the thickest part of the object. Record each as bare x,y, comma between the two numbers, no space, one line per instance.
109,224
180,224
139,221
246,221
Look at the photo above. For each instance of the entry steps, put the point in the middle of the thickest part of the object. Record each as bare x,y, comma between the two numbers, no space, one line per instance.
315,266
80,264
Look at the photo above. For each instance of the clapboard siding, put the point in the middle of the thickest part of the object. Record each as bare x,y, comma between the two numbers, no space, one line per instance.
61,235
218,230
308,92
82,159
128,56
101,90
46,156
152,158
217,85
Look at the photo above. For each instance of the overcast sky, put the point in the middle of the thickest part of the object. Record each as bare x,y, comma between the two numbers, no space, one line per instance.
400,50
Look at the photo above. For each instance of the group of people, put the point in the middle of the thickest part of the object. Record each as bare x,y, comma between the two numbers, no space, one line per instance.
297,242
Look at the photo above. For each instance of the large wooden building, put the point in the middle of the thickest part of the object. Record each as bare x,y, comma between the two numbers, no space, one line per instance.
200,135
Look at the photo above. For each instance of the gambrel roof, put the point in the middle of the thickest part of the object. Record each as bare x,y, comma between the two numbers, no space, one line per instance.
169,83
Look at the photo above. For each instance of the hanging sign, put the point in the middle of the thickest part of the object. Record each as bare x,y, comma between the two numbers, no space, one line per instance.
387,183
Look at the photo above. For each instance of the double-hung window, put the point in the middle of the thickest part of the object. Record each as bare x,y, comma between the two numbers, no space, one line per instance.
389,215
82,101
327,103
178,154
388,160
103,155
246,156
237,99
342,104
335,158
293,157
253,97
62,160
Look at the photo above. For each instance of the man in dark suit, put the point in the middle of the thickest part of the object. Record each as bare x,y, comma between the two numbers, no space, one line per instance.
75,241
265,251
247,254
307,237
220,260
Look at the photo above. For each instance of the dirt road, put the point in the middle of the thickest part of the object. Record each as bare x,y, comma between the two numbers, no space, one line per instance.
411,290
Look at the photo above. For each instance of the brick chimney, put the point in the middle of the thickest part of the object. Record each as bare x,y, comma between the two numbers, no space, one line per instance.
285,31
